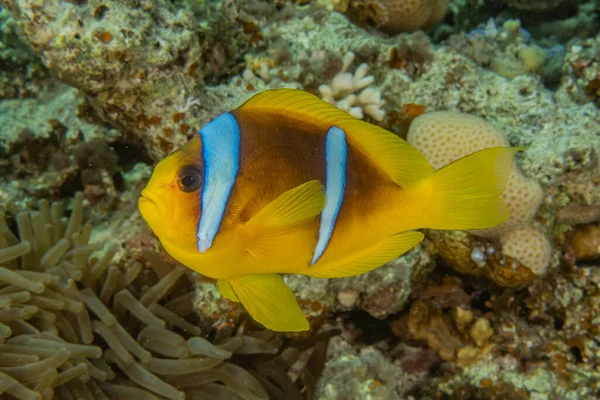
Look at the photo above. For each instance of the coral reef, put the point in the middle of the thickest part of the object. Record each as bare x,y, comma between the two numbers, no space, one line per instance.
554,19
496,354
143,76
458,336
413,54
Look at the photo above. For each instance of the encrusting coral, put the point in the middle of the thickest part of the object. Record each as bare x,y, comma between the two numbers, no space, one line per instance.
73,325
445,136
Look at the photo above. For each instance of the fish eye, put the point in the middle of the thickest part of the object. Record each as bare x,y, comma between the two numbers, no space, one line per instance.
190,178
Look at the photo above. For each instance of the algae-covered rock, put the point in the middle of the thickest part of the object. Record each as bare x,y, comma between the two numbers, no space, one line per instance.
140,63
21,72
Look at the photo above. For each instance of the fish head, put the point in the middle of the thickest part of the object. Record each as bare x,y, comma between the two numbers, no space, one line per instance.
171,201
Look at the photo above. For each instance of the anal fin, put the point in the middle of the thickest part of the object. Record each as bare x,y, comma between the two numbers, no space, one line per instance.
369,258
269,301
226,290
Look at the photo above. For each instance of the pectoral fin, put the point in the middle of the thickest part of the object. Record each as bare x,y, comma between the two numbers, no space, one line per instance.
269,301
368,259
262,235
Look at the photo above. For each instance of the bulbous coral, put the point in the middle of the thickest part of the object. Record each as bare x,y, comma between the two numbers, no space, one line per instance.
530,246
395,16
443,137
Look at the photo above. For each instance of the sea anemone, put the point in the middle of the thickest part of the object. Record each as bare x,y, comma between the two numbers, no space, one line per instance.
76,325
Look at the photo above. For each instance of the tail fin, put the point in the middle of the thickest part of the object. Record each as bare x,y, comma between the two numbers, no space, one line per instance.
466,193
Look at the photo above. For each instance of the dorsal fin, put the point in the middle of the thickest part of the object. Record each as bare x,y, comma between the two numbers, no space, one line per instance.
403,163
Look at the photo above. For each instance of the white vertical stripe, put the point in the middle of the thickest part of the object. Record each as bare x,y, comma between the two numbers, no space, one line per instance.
335,155
220,150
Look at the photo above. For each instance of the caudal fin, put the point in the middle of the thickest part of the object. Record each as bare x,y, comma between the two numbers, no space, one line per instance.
466,193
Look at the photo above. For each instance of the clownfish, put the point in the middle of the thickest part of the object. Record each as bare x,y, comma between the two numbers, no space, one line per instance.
288,183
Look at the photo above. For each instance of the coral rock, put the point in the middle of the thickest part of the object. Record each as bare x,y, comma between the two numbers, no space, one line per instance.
585,243
125,78
506,271
456,248
576,214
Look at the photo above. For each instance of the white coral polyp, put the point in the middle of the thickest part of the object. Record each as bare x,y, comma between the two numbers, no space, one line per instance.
344,87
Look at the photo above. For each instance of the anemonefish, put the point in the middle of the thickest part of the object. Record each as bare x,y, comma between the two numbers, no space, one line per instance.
288,183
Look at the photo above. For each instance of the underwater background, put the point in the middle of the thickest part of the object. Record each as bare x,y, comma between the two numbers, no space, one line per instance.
94,92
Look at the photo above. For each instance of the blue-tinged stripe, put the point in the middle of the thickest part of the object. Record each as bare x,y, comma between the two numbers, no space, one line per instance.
335,155
221,149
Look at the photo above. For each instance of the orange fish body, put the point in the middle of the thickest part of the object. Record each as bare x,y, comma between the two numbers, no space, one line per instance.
287,183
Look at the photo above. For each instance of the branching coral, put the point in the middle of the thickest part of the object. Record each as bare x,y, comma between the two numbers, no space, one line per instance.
75,324
342,91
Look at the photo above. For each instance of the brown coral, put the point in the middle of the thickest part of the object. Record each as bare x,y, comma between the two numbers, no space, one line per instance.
395,16
585,243
452,330
428,325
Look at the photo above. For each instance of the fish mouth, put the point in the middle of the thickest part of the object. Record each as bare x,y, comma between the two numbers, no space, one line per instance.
145,197
151,208
146,204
